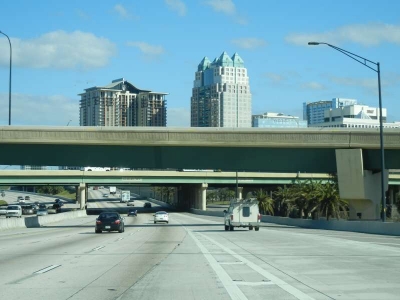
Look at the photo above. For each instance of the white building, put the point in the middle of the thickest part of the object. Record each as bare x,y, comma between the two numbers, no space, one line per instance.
355,116
277,120
221,94
313,112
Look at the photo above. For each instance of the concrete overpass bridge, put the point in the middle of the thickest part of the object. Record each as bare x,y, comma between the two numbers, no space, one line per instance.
351,153
191,186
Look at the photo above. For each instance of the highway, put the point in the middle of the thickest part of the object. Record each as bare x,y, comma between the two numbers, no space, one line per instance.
192,257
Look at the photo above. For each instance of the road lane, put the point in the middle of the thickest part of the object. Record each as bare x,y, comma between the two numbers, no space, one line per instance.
192,257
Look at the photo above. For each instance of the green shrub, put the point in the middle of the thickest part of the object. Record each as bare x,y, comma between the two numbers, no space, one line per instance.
3,203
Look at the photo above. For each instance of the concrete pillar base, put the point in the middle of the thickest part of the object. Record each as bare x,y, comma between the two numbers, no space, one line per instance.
361,188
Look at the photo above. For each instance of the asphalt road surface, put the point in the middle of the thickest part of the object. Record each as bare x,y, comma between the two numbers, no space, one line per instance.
192,257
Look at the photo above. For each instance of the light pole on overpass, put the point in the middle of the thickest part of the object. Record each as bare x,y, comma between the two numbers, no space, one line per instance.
367,63
9,81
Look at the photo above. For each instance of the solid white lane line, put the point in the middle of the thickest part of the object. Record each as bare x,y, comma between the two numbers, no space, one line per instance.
234,292
49,268
97,248
231,263
279,282
254,283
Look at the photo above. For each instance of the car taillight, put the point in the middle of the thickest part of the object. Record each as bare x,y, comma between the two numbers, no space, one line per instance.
117,221
259,216
98,222
231,217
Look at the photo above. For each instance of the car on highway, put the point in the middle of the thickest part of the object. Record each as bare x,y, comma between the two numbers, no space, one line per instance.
105,195
161,216
42,211
21,199
51,210
132,212
28,210
3,210
109,221
42,205
59,201
130,203
147,205
27,198
14,211
57,207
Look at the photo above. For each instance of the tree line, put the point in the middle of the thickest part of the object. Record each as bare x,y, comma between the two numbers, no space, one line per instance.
303,199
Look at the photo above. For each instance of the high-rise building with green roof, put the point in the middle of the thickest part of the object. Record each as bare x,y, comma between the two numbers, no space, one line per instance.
221,94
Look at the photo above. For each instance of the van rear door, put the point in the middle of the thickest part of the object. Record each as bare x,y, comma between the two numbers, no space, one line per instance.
248,212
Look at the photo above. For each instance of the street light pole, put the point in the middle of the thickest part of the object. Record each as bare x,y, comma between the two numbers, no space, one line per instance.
9,81
365,62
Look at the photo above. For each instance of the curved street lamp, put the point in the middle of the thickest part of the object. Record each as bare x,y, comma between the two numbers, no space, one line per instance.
9,81
365,62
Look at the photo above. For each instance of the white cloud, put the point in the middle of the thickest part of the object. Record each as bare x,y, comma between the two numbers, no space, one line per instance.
225,6
275,78
228,8
313,85
149,51
178,117
53,110
249,43
365,34
59,50
118,8
177,5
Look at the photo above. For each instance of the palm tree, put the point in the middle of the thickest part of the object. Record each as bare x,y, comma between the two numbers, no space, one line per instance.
330,203
282,199
265,202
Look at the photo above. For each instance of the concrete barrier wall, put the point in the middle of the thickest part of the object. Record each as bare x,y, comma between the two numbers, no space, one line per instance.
372,227
38,221
207,213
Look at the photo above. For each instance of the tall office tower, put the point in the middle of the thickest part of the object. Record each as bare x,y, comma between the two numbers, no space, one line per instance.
313,112
120,103
221,93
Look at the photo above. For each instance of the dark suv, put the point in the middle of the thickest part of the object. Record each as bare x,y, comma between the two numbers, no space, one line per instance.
109,221
147,205
57,207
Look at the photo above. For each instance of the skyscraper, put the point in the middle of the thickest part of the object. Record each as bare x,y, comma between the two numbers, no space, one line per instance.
221,94
120,103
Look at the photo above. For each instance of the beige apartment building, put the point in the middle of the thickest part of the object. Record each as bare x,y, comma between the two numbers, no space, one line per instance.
120,103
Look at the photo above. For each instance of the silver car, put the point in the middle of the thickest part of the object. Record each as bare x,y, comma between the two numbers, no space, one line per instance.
42,212
3,210
161,216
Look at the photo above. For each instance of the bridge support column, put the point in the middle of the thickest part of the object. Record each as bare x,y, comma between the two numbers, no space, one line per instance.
240,192
360,187
201,197
82,195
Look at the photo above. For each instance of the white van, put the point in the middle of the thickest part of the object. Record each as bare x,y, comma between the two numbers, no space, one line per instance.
242,213
97,169
14,211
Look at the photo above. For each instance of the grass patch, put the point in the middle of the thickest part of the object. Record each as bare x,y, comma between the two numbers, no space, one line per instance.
227,202
67,194
3,203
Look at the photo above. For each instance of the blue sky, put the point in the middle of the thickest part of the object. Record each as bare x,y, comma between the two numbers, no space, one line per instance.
62,47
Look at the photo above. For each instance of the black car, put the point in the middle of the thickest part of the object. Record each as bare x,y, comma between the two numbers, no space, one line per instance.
57,207
109,221
147,205
58,201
